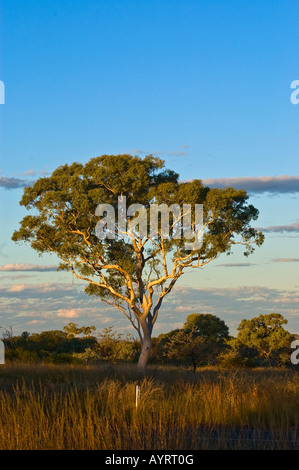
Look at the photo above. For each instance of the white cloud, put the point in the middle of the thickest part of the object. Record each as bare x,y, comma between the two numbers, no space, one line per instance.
16,288
69,313
46,290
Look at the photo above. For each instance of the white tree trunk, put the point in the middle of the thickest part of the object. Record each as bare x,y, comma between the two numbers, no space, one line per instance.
146,343
145,352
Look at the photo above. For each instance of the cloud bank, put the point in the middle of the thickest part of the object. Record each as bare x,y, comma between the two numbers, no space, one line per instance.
285,260
13,183
262,184
52,304
26,267
234,265
281,228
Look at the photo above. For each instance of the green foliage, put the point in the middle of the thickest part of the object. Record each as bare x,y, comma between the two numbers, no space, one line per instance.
90,355
186,344
207,326
50,346
267,336
160,347
116,347
111,347
236,354
22,355
201,340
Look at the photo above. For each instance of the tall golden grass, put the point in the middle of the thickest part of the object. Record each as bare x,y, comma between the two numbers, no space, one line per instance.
93,407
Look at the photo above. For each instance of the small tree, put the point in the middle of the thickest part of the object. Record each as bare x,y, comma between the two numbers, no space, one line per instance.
266,334
185,344
201,339
132,271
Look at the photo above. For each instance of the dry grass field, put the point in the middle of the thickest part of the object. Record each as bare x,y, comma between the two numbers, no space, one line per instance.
74,407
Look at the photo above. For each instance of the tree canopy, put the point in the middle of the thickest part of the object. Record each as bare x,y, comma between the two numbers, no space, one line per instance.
265,334
130,272
207,326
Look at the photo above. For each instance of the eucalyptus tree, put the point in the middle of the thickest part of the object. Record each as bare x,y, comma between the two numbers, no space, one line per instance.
129,267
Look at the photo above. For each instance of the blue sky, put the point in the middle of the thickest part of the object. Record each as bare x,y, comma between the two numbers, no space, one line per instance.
203,84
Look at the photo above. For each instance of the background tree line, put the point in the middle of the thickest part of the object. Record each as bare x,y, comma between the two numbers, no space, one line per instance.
203,340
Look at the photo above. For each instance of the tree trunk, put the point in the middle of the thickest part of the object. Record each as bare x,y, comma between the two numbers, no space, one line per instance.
145,353
146,344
